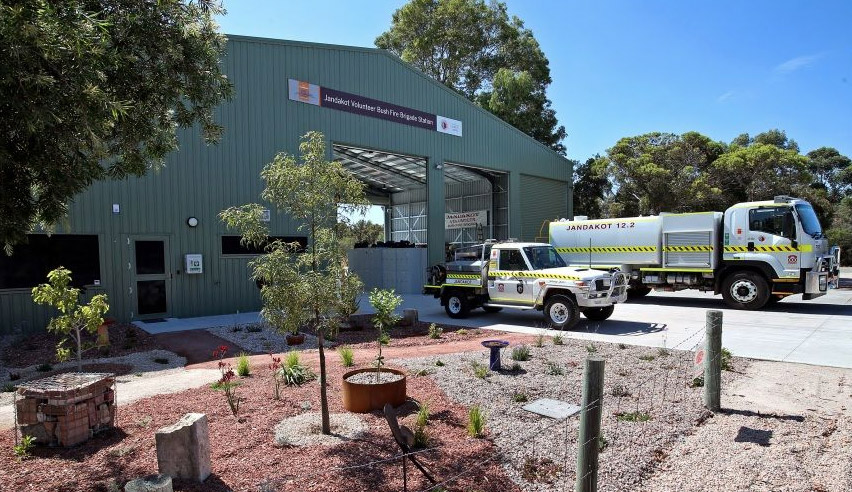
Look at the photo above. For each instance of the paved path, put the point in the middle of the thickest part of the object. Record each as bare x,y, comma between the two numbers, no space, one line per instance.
812,332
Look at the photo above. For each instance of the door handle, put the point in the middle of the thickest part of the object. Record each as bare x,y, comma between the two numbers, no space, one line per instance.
751,245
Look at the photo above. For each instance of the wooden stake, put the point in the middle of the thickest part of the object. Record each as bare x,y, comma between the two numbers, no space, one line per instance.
713,362
590,426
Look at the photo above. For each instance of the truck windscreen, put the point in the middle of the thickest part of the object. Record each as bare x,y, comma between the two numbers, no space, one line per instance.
810,222
542,257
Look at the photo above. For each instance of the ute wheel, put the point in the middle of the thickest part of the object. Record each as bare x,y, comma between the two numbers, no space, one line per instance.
492,309
637,291
745,290
599,314
456,306
561,312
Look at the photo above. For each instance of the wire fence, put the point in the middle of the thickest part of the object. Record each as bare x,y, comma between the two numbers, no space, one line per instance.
645,410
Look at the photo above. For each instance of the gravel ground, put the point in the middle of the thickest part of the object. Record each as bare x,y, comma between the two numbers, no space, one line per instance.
539,453
370,377
786,427
264,341
306,429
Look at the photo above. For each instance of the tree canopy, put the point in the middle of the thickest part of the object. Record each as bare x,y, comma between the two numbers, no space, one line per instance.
96,89
484,54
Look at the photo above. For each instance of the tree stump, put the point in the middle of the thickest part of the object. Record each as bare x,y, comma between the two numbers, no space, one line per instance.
409,317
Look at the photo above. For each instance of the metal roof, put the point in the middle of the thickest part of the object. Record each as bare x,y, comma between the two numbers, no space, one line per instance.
385,172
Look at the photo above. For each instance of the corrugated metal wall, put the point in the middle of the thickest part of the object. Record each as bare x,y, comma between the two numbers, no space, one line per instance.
201,180
544,200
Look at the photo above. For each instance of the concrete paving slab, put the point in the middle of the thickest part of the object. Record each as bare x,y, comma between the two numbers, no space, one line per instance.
172,325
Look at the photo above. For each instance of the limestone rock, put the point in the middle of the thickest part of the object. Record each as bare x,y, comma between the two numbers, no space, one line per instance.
183,449
151,483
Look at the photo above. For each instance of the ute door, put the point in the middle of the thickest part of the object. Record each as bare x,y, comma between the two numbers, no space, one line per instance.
771,237
512,282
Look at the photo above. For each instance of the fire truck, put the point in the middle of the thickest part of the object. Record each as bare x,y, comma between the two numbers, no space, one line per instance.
754,254
525,276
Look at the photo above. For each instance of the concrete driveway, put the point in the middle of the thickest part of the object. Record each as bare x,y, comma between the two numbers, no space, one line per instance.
812,332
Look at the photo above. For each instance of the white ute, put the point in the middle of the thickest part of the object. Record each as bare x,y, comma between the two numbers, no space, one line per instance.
524,276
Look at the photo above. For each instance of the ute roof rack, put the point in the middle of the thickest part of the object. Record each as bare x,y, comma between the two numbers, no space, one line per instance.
783,199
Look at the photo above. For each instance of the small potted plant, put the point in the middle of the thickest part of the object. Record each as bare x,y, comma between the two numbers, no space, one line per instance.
370,389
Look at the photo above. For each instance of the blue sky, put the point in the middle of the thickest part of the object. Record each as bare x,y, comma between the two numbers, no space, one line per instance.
623,68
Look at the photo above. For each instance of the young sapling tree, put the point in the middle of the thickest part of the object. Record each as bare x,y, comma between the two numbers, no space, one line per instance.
300,285
74,318
384,302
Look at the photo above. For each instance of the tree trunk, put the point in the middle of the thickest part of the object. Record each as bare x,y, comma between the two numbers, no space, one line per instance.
79,352
326,425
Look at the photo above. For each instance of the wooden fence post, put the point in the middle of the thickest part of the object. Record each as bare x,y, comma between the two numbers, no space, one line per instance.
590,426
713,362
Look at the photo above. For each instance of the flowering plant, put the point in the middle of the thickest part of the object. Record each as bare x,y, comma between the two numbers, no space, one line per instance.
275,365
228,384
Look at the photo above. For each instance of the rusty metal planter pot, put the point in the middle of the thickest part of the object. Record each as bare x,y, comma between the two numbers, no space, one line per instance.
363,398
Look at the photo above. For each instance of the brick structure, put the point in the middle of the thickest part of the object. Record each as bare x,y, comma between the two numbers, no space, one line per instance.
66,409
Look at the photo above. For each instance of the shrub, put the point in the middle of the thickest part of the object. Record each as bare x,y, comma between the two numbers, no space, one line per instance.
539,340
519,397
243,366
634,417
254,328
622,346
542,470
603,443
161,360
475,422
647,357
44,367
619,390
435,331
725,360
461,332
8,388
521,352
557,340
293,373
479,370
236,329
515,367
22,450
554,369
663,352
347,356
439,363
697,382
421,439
591,348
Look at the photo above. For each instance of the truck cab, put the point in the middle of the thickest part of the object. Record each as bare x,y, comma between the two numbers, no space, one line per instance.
783,240
524,276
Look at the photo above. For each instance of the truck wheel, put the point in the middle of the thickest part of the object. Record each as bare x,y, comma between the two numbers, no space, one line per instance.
456,306
492,309
745,290
598,314
561,311
637,291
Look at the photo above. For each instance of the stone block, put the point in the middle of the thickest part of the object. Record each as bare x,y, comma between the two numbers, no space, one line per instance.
409,317
183,449
151,483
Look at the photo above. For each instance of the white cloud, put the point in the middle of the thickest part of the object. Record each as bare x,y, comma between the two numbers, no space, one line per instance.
724,97
797,63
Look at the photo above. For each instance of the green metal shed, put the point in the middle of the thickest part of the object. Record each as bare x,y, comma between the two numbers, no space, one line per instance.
423,150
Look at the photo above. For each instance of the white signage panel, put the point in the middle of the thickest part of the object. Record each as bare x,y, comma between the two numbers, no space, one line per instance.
461,220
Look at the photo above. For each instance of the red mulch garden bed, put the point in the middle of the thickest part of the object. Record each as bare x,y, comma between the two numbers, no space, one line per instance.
243,452
41,348
403,336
